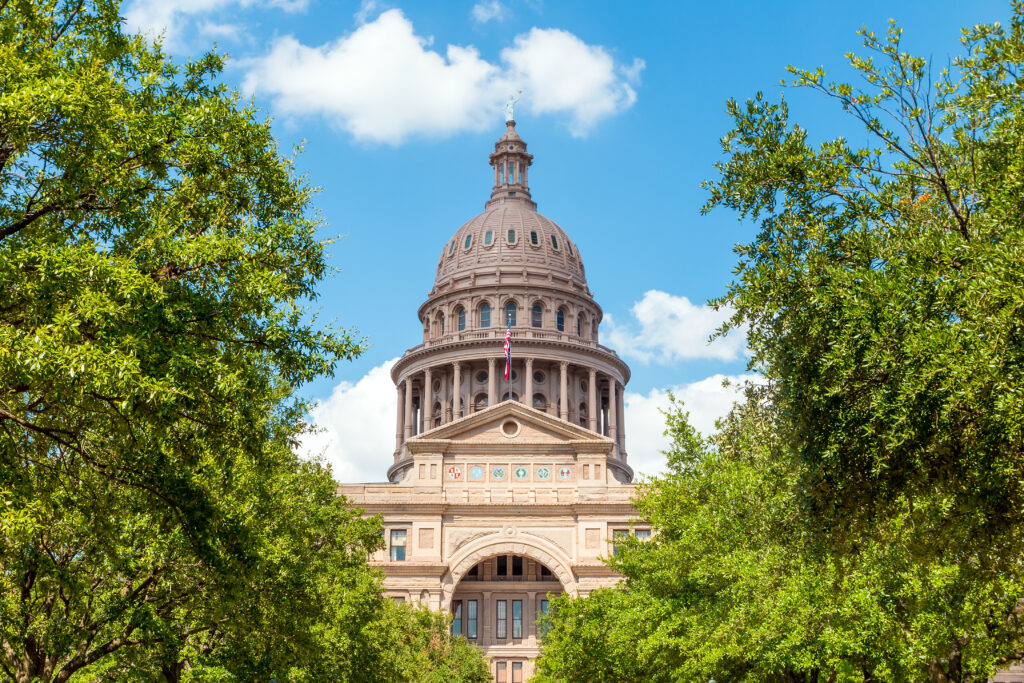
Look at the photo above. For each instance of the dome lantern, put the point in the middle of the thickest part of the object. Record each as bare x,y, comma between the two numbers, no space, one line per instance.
510,162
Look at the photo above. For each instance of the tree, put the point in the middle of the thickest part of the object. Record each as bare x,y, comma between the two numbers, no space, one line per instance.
157,253
860,517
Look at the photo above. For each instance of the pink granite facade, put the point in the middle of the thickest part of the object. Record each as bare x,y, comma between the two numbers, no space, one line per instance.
505,492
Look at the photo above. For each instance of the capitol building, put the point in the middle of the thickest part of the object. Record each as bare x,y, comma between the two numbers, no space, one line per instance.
505,492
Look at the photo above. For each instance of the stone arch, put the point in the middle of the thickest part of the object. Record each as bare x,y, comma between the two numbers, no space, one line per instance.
536,548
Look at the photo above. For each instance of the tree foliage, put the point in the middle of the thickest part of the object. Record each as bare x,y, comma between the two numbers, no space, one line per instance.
157,253
859,518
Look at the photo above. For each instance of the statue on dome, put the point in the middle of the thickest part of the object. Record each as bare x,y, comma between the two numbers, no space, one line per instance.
510,106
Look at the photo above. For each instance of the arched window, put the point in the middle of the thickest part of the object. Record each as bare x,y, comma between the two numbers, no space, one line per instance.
533,238
461,316
579,325
560,320
536,315
540,402
440,323
511,236
485,315
469,241
488,238
510,313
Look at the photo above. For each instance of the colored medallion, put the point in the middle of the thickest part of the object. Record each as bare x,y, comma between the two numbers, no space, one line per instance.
520,473
543,473
565,473
476,472
498,473
454,472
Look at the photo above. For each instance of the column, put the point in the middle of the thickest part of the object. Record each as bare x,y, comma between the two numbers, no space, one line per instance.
592,406
400,410
408,409
563,411
621,410
612,405
528,383
492,396
428,401
456,391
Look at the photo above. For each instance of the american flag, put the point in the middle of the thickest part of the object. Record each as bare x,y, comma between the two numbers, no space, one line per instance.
508,349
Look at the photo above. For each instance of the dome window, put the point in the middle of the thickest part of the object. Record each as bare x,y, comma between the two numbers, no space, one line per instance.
568,248
481,377
469,241
485,315
461,315
488,238
533,238
536,315
554,242
451,248
510,313
560,320
539,376
511,236
579,326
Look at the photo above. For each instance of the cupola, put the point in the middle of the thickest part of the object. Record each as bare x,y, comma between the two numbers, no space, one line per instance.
510,161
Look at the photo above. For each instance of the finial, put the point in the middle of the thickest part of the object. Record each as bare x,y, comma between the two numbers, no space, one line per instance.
510,106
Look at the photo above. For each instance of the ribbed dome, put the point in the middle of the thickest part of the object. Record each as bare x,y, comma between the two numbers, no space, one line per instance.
512,236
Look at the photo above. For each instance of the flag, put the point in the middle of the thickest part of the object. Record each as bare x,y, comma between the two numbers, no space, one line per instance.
508,350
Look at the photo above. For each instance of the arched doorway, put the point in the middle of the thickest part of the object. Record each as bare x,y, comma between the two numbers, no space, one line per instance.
498,604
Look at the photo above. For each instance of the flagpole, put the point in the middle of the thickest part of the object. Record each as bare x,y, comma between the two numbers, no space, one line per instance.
508,375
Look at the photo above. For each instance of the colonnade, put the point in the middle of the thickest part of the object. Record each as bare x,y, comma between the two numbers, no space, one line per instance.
427,397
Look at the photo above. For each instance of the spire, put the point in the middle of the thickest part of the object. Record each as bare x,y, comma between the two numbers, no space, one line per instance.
510,162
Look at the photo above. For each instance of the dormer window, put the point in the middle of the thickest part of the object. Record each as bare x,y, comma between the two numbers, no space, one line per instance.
488,238
554,242
511,236
533,238
469,241
451,248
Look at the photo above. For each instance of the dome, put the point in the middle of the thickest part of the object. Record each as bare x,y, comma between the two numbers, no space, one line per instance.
512,236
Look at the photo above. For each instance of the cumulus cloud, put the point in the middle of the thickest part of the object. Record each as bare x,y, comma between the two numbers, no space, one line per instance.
489,10
707,400
176,18
384,83
356,427
667,328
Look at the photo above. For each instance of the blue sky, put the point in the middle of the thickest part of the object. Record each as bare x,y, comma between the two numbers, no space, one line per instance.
623,105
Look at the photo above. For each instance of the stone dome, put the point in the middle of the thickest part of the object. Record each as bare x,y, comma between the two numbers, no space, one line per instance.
512,236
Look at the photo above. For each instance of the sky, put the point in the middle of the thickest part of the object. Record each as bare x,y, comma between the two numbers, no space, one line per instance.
397,105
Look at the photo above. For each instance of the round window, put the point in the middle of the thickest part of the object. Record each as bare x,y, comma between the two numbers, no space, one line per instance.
481,377
513,376
510,428
539,376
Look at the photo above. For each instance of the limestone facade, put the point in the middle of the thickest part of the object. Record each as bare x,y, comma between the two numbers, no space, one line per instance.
505,492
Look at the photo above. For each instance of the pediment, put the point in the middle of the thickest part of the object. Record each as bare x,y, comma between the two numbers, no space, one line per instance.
508,425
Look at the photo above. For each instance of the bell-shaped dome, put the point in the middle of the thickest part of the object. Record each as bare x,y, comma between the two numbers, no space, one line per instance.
510,234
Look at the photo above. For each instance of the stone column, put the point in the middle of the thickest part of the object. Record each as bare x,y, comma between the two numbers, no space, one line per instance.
592,406
612,410
492,394
528,383
563,381
428,401
456,390
621,410
408,408
400,410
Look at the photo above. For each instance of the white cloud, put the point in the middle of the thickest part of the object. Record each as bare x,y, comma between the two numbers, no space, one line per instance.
176,18
667,328
489,10
366,8
356,427
707,400
384,83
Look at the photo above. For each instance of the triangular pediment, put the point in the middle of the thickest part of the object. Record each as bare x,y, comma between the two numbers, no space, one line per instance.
508,424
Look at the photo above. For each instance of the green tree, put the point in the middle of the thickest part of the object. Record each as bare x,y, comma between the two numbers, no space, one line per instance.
157,254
